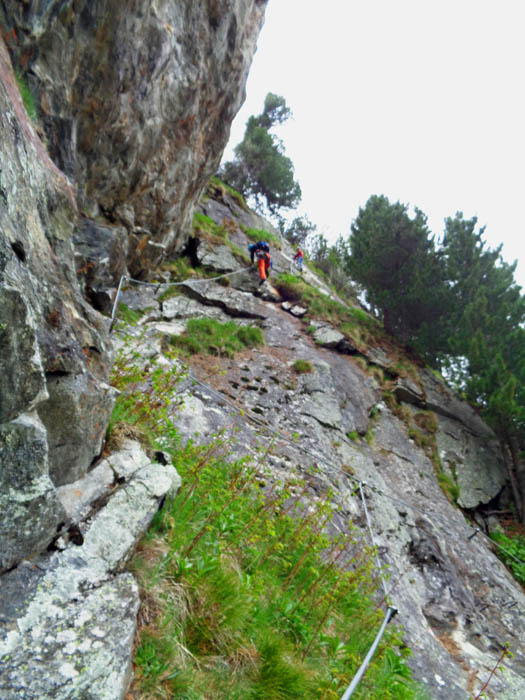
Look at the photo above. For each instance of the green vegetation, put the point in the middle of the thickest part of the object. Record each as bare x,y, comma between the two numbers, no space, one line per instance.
180,268
351,321
255,234
208,336
512,549
260,169
427,420
216,186
145,400
242,596
303,366
458,305
299,230
204,227
241,605
128,316
449,487
27,97
392,255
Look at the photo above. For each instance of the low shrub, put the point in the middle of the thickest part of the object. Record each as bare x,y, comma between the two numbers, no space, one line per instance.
427,420
303,366
127,315
255,234
217,184
449,487
512,553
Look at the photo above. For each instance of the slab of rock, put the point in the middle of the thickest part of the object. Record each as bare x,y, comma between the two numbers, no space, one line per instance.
440,399
328,337
475,465
78,497
249,281
139,297
67,623
406,389
169,328
324,408
75,416
47,330
182,307
219,258
298,311
234,302
267,292
378,356
163,81
100,259
23,386
128,460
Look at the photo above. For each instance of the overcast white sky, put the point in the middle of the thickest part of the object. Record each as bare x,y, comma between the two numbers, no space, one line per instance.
420,100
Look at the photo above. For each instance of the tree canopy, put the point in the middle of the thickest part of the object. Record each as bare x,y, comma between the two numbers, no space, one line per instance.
260,168
392,256
456,303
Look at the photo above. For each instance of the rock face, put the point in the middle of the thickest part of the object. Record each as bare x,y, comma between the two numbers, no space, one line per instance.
457,603
68,618
134,104
136,101
51,341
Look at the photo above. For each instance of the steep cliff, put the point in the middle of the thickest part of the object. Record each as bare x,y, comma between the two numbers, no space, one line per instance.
363,414
134,103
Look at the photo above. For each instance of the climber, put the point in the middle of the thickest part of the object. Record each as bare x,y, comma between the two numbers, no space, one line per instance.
261,251
298,259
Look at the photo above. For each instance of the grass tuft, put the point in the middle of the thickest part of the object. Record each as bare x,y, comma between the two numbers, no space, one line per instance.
208,336
27,97
303,366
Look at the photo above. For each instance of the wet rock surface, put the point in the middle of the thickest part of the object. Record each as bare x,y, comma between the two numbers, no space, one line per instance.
135,114
448,586
51,339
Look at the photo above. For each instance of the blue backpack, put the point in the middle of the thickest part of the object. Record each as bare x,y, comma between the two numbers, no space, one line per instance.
261,245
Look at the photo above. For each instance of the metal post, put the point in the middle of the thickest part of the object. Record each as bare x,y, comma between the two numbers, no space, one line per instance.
116,302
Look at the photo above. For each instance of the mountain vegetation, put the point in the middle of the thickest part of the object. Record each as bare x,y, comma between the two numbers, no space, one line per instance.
260,169
245,594
246,588
455,303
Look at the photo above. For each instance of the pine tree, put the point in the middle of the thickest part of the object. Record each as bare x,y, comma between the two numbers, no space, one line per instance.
486,354
394,258
260,169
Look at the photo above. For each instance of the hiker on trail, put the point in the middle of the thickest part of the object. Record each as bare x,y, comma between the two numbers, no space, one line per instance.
261,251
298,259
